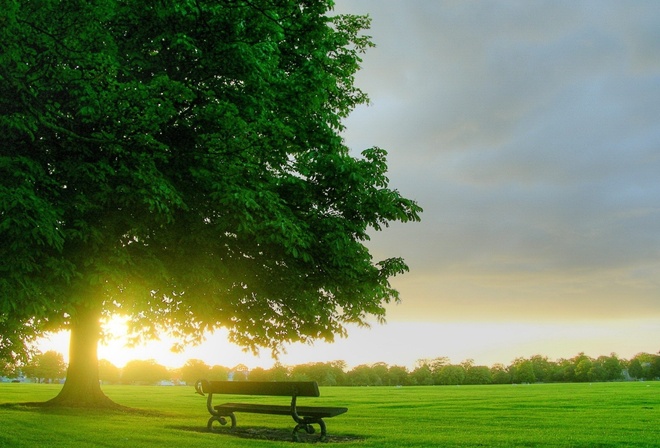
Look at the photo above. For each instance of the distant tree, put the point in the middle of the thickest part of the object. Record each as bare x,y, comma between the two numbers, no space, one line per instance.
635,369
451,375
182,163
522,371
240,372
219,373
11,368
597,371
259,374
467,363
612,367
583,365
144,372
108,372
436,364
46,367
644,357
362,375
500,374
193,370
543,368
478,375
398,376
380,372
654,367
301,372
278,372
565,371
338,371
645,361
422,375
52,366
7,369
333,373
324,373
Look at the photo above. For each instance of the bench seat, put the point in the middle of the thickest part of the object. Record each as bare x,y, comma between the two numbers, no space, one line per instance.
303,411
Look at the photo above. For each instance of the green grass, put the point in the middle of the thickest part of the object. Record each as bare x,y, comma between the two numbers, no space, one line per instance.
540,415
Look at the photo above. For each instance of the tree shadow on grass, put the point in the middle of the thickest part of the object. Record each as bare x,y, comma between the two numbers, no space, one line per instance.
274,434
47,408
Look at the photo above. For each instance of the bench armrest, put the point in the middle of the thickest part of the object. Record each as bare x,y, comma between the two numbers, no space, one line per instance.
200,386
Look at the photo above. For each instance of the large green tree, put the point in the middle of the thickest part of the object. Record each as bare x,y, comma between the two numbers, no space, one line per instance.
181,162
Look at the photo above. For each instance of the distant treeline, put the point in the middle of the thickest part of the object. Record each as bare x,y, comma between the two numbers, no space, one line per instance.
436,371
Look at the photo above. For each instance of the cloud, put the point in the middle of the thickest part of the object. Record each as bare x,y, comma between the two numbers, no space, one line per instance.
530,134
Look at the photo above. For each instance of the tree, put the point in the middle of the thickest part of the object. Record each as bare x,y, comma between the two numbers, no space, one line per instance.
543,368
219,373
478,375
193,370
499,374
583,365
583,370
363,375
451,375
259,374
565,371
46,367
522,371
422,374
398,376
613,369
654,367
181,163
324,373
380,374
108,372
635,369
144,372
15,338
647,366
278,372
7,369
240,372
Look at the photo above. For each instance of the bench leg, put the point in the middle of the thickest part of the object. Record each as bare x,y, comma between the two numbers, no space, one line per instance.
306,425
222,420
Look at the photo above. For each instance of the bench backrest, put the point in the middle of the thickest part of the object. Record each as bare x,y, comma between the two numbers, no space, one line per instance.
288,388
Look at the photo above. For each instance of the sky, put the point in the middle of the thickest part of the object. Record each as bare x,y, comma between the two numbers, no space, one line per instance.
529,131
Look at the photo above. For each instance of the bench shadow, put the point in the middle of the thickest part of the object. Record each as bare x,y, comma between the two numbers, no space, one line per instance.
274,434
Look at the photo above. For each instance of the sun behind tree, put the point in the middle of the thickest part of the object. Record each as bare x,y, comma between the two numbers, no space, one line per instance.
181,163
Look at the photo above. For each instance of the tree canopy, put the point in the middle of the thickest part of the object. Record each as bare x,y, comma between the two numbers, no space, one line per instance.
181,162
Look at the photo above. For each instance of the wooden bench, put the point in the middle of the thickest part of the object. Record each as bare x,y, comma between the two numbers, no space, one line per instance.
304,416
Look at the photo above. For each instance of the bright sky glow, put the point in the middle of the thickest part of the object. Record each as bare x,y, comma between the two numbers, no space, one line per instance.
404,343
530,134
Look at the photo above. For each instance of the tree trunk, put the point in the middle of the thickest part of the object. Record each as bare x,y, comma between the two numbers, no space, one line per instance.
82,387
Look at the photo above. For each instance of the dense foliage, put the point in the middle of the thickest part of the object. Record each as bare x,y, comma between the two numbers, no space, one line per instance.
181,162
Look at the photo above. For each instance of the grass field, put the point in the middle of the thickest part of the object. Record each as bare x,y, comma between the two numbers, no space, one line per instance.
538,415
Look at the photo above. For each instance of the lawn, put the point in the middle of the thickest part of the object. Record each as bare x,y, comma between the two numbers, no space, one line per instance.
543,415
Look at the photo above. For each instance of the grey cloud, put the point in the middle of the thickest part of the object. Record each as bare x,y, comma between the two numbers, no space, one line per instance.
530,133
